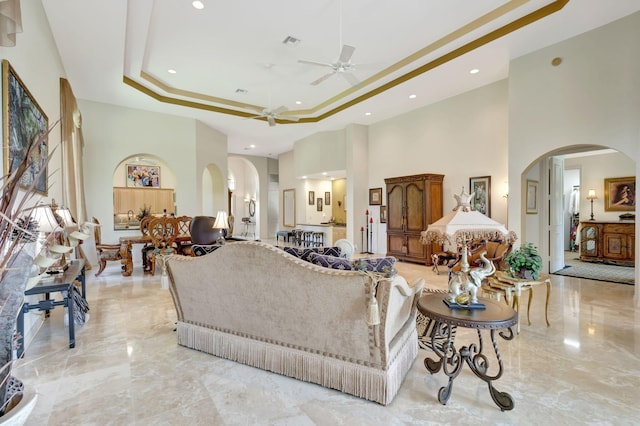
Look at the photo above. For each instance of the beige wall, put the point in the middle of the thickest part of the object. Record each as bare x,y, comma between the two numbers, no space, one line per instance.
113,133
590,99
593,170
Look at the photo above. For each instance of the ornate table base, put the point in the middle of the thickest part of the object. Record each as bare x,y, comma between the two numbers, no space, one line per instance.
451,362
440,332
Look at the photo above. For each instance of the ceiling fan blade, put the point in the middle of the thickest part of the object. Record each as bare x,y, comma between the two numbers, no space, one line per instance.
347,53
323,78
279,110
351,79
322,64
271,120
288,117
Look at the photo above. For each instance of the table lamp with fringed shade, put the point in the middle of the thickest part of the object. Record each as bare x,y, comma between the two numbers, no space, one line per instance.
461,226
222,224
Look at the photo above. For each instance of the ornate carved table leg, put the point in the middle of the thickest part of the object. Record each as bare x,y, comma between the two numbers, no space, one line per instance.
479,364
449,359
127,259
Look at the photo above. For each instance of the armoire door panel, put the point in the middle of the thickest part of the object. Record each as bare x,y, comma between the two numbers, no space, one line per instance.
415,207
395,216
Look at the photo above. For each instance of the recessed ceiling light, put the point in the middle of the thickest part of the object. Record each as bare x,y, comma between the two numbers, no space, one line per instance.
252,146
304,177
298,102
198,4
324,173
474,71
171,71
367,113
412,96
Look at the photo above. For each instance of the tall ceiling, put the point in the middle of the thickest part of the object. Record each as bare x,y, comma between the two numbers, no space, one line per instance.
231,61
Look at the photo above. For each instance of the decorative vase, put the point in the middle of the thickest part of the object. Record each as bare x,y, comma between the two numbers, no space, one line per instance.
525,274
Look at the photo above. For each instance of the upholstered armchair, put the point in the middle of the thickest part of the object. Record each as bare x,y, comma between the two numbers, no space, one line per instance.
105,252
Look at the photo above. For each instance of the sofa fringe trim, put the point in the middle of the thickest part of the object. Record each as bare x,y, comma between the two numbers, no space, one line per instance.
376,385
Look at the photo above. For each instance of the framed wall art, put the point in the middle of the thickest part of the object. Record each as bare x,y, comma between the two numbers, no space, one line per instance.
319,204
327,198
383,214
375,196
143,176
312,198
532,196
619,194
23,120
481,188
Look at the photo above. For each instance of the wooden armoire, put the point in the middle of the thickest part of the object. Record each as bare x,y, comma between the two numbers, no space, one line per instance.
413,202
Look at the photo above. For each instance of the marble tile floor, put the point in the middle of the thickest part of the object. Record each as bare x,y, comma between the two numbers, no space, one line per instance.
127,369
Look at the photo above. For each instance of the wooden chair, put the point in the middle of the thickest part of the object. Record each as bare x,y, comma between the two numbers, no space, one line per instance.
148,247
183,241
496,251
163,232
105,252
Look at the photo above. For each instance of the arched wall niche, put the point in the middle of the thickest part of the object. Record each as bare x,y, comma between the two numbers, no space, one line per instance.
213,195
130,196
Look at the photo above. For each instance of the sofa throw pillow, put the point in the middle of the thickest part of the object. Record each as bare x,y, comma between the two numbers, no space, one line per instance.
333,262
383,265
202,249
304,253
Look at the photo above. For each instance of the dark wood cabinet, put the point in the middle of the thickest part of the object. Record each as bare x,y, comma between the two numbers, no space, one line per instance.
413,202
608,242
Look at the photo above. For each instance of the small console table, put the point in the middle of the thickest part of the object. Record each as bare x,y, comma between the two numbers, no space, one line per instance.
51,284
496,316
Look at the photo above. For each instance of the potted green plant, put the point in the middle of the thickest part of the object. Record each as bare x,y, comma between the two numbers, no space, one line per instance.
525,262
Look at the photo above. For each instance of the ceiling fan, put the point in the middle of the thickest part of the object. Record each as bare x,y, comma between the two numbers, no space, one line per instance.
342,66
272,114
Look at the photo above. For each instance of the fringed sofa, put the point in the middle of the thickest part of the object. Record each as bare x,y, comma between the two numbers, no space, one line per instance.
255,304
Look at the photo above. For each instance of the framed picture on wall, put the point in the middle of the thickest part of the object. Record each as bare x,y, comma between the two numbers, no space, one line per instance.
312,197
532,196
383,214
23,120
481,188
143,176
619,194
319,204
327,198
375,196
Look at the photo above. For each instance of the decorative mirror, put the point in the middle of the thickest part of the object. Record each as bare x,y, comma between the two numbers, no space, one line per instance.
289,207
252,208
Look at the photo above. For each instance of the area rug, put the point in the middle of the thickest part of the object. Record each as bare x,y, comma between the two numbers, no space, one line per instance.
597,271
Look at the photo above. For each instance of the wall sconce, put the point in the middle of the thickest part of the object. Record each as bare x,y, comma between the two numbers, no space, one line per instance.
505,190
592,196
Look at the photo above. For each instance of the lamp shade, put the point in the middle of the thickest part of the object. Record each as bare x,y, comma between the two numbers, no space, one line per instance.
592,195
65,215
47,222
221,221
463,224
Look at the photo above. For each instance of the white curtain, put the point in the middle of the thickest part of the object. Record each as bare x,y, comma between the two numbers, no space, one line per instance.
72,146
10,22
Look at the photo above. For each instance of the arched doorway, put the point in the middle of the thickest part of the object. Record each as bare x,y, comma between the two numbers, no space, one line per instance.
245,198
547,225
